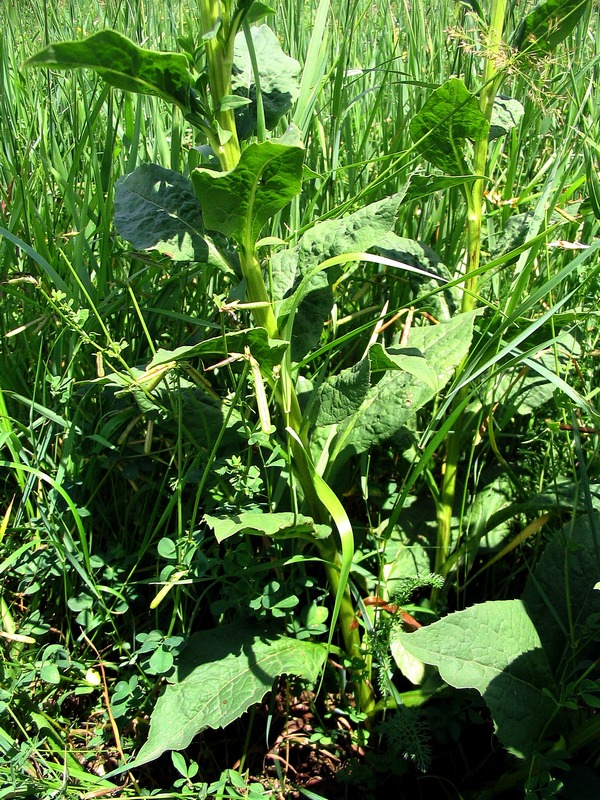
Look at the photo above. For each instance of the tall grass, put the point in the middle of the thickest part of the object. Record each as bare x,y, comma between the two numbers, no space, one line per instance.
95,484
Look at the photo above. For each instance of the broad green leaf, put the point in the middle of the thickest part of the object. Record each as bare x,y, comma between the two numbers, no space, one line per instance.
495,649
342,394
282,525
442,302
394,400
412,361
547,24
490,499
506,114
357,232
157,209
239,203
283,273
219,675
424,185
123,64
516,231
268,352
444,345
278,77
450,116
258,11
562,589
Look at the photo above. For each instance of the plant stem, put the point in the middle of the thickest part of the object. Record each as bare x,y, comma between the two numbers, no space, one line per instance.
492,77
219,37
218,25
256,292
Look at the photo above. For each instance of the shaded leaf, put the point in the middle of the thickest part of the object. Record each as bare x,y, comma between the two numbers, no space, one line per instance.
357,232
238,203
443,302
405,553
495,649
157,209
490,499
268,352
123,64
342,394
450,116
282,525
506,114
219,675
547,24
283,273
278,75
562,589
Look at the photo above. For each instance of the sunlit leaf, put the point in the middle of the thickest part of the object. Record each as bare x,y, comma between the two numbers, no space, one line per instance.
547,24
219,675
123,64
450,116
494,648
238,203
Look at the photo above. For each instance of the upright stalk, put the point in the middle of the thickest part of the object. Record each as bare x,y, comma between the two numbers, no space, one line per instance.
220,27
492,77
219,37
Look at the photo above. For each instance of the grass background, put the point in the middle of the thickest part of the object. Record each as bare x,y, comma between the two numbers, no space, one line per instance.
89,486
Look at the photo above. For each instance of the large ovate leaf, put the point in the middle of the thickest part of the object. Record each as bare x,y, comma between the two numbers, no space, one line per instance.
440,130
157,209
561,595
441,301
238,203
278,78
340,395
280,525
123,64
219,675
268,352
506,114
425,185
355,233
399,394
495,649
547,25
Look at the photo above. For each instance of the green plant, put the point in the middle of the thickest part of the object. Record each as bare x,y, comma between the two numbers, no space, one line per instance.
289,310
305,401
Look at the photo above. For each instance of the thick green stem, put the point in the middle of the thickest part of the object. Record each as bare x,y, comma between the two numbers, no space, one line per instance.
219,39
491,81
349,627
256,293
287,400
218,25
